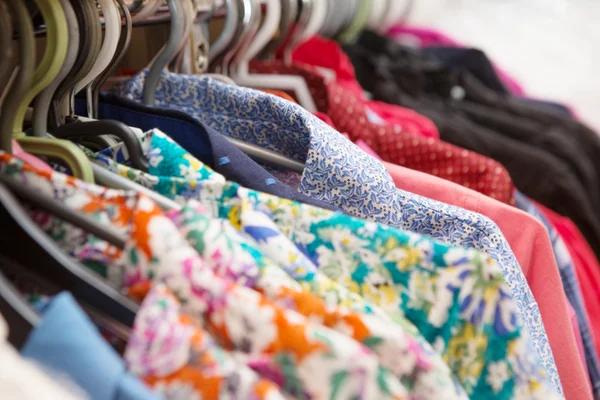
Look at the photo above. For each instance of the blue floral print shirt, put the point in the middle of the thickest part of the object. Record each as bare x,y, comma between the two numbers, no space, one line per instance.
339,173
456,297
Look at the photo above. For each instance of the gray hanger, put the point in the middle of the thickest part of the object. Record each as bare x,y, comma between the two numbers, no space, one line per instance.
289,14
44,99
261,155
335,18
122,48
295,37
217,64
167,54
60,269
90,40
348,12
6,52
64,212
24,76
222,43
250,21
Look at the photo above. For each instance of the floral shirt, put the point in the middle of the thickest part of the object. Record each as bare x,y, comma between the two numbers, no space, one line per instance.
420,369
339,173
175,355
313,361
456,297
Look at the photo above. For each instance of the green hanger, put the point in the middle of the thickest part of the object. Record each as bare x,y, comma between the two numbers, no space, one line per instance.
54,56
358,24
25,64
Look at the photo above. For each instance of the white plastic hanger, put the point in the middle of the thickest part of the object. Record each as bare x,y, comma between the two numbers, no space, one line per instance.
317,13
396,13
293,83
249,15
378,13
112,24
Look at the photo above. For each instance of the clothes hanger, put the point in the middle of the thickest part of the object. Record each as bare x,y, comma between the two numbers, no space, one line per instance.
43,101
63,212
19,315
102,141
337,16
56,49
310,24
348,12
198,48
398,12
166,55
122,48
305,8
89,47
261,155
103,127
46,259
262,35
112,32
6,52
96,129
378,12
219,62
189,13
289,13
23,92
334,19
250,15
25,64
268,81
358,22
221,44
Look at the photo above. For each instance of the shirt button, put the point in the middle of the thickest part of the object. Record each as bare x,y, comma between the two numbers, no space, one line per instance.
457,93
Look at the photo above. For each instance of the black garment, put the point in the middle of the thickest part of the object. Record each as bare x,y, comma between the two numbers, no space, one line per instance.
202,142
546,160
547,106
479,65
472,60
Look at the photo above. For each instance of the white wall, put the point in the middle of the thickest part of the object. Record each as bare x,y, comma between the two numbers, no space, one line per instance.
552,47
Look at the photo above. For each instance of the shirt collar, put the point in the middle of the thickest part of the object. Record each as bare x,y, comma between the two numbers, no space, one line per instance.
67,341
336,170
202,141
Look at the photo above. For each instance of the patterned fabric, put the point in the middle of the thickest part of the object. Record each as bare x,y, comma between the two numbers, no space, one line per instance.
229,253
339,173
173,353
343,101
571,287
401,272
313,361
335,66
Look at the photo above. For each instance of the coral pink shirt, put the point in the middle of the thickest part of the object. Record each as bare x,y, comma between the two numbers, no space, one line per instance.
531,245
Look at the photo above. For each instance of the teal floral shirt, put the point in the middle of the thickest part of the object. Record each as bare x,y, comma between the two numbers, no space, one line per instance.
457,298
237,256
